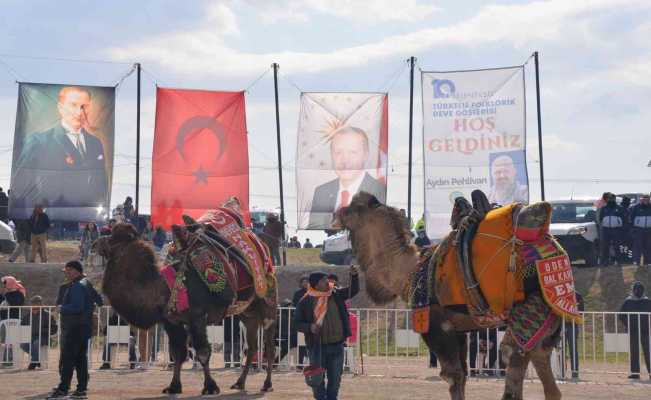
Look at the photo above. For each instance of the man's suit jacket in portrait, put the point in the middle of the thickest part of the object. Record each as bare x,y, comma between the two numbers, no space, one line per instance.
52,172
325,200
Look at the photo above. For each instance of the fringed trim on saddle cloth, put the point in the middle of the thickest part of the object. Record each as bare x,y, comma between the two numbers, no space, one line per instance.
530,321
551,263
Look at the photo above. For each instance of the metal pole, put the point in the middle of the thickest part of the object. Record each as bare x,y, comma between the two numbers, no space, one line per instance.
138,146
412,61
280,165
540,146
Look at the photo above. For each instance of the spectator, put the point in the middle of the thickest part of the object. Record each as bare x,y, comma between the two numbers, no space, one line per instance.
422,240
294,243
147,232
39,224
115,320
307,244
23,237
76,311
160,238
303,284
118,214
14,297
128,210
88,236
108,228
612,218
322,316
271,235
4,206
571,339
638,327
641,221
43,325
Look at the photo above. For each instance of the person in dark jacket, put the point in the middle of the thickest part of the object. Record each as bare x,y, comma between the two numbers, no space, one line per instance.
39,224
43,325
303,284
322,316
23,237
640,217
612,219
76,311
160,238
422,240
572,337
14,295
4,205
638,326
272,235
307,244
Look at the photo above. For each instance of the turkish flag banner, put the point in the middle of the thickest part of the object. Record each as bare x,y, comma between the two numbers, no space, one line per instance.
200,156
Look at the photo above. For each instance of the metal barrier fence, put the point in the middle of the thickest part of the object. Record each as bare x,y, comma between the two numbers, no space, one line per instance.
607,344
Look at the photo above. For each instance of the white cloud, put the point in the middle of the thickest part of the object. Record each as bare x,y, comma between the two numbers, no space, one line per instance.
368,11
195,51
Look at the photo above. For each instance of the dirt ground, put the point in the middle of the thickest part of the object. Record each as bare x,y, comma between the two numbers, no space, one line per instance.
403,379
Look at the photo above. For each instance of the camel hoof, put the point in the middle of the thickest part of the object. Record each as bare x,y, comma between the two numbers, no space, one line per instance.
172,390
267,389
238,386
210,391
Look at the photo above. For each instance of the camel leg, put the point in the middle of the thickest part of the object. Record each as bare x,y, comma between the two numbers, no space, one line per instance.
516,367
269,352
179,352
203,350
251,324
541,359
448,345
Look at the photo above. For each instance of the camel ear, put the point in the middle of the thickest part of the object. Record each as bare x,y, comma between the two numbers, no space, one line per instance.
133,233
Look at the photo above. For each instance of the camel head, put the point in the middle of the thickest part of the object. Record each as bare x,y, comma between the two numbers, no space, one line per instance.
121,233
381,242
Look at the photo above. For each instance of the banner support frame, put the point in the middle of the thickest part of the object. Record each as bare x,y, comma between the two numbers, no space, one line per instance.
275,66
540,145
412,61
137,208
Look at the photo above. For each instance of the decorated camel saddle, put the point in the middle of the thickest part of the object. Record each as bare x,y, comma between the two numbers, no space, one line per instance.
498,264
225,254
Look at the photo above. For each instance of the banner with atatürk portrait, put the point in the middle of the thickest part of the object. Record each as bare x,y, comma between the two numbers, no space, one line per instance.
342,150
63,151
201,154
474,136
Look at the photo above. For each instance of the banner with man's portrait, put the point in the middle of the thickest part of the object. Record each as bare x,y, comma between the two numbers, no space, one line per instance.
474,136
63,151
341,150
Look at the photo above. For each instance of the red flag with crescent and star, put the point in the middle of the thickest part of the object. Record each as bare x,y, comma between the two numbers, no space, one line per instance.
200,156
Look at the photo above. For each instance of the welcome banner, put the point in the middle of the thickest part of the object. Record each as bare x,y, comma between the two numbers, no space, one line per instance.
341,150
200,156
63,151
474,136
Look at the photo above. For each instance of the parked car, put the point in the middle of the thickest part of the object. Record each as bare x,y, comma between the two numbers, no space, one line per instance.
7,239
573,225
337,249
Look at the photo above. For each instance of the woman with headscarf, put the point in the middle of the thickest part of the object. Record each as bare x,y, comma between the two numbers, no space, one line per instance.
14,296
88,236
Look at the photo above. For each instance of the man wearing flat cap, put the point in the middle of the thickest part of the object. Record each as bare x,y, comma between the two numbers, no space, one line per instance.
322,316
77,303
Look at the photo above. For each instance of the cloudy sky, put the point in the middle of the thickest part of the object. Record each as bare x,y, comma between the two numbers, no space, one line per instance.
595,74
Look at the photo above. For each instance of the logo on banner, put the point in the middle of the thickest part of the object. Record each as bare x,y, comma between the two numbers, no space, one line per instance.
443,88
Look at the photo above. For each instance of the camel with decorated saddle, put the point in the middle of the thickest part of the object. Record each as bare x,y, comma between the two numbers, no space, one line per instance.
216,268
497,267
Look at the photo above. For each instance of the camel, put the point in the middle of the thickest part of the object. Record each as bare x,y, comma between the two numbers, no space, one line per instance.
381,243
137,291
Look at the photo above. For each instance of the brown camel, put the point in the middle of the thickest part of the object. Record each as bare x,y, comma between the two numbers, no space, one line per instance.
137,291
381,243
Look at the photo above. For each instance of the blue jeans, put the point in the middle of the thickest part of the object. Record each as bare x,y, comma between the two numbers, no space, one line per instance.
35,348
330,357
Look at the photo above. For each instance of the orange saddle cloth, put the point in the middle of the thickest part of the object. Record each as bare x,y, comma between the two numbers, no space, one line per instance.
491,255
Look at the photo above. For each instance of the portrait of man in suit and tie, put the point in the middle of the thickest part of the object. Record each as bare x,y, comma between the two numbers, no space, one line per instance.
63,167
349,151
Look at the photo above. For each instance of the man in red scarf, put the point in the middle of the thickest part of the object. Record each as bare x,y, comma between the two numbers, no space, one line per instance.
322,316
